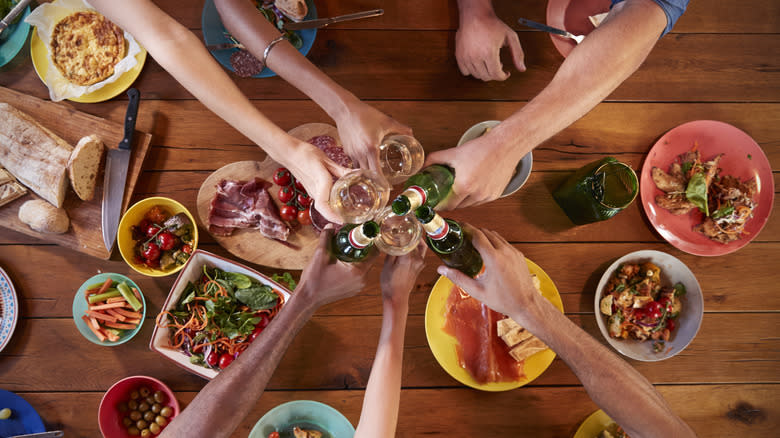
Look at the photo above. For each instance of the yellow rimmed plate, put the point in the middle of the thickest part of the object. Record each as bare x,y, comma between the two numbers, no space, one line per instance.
39,50
593,425
443,346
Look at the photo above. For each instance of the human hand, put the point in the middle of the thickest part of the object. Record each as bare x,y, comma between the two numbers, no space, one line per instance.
362,128
478,44
400,273
506,284
317,173
479,176
326,279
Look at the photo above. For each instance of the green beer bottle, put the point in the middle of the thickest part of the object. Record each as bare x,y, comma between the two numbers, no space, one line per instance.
447,239
354,242
428,187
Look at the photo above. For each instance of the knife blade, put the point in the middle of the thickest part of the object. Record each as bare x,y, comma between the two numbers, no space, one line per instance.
550,29
322,22
52,434
117,162
6,21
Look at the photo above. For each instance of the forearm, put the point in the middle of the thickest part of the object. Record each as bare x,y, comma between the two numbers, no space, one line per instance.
594,69
379,416
614,385
225,401
249,26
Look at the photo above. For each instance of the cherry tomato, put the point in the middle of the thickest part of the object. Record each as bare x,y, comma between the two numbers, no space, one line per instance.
187,249
273,435
288,213
152,251
304,200
167,240
212,358
304,217
654,309
264,321
255,334
151,230
666,303
640,313
670,324
282,176
299,186
225,360
286,194
152,263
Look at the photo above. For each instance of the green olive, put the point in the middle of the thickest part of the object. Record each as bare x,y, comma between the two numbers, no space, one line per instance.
159,397
141,424
132,430
132,404
127,422
161,420
155,428
156,408
144,391
146,433
135,415
143,406
5,414
166,412
134,395
149,416
122,407
150,400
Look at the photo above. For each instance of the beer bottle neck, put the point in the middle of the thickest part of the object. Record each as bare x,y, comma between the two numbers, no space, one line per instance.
411,198
437,228
362,235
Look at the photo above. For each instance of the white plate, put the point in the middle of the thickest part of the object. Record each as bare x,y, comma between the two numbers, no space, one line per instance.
9,313
192,270
673,271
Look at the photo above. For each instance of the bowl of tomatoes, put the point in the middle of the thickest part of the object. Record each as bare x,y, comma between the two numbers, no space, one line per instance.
156,236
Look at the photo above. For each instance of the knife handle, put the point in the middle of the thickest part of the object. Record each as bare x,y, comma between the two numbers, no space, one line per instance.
132,113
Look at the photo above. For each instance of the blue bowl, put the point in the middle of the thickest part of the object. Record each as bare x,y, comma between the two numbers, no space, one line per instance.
80,306
304,413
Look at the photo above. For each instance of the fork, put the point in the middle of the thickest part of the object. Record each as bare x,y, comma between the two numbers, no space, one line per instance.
577,38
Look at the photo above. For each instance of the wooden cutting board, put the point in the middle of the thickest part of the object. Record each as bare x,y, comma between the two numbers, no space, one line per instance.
249,244
86,232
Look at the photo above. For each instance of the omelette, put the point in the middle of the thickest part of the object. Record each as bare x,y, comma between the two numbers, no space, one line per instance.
86,46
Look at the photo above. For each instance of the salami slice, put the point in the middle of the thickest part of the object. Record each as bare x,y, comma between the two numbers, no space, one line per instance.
332,150
323,142
245,64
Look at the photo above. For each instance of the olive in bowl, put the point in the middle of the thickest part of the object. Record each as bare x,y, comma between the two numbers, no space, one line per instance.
136,406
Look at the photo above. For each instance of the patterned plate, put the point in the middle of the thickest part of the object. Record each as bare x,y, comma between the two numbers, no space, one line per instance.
9,312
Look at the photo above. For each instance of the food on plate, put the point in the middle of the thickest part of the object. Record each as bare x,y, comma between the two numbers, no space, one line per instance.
33,154
241,204
145,413
638,307
613,431
84,164
112,308
296,200
521,342
10,189
85,47
332,150
726,202
306,433
296,10
44,217
162,240
219,315
245,64
5,413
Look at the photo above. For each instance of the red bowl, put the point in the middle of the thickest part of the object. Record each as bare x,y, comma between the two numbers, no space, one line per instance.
109,417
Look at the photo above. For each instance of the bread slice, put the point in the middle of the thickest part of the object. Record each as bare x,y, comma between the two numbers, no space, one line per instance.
10,191
83,166
296,10
527,348
5,176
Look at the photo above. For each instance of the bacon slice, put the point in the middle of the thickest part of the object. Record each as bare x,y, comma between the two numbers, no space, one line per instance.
240,204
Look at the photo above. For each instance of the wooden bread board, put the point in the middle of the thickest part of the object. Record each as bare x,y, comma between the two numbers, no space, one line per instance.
86,232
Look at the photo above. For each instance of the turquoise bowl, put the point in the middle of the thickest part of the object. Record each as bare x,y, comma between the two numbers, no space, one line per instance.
304,413
80,306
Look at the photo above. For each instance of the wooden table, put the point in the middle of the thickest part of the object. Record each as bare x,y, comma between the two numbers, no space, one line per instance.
722,62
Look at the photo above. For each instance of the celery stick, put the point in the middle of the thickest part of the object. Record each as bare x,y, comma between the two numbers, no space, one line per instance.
110,293
124,289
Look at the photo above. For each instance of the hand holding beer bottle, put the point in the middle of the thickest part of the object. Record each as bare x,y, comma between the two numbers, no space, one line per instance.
447,239
353,243
429,187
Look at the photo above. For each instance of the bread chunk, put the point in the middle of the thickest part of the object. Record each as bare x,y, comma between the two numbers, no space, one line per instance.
10,191
296,10
527,349
83,166
44,217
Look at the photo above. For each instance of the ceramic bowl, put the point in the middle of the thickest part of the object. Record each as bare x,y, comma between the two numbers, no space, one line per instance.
80,305
109,417
133,216
673,271
305,414
523,169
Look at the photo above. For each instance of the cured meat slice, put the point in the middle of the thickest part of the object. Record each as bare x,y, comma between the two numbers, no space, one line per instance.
332,150
245,64
240,204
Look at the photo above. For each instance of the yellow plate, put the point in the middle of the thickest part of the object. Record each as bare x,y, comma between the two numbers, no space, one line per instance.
39,50
443,345
593,425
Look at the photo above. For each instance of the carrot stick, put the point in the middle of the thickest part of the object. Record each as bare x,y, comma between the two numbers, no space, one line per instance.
137,294
116,300
103,288
106,306
94,323
98,315
124,312
119,325
111,337
133,321
97,332
115,314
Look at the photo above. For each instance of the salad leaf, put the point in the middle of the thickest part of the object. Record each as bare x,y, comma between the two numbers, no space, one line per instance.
257,297
724,211
696,192
679,289
240,281
686,166
285,280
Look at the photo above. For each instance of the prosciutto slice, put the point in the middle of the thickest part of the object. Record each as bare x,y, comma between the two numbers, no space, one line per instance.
241,204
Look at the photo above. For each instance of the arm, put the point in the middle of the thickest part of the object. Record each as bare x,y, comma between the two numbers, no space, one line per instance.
479,40
235,391
604,59
361,127
613,384
379,416
183,55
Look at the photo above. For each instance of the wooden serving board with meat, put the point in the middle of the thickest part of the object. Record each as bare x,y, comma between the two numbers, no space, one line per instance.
239,206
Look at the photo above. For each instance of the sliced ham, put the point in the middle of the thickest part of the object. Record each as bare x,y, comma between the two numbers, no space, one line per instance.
241,204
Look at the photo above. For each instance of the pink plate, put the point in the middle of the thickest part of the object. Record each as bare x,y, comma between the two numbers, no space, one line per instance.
572,15
742,158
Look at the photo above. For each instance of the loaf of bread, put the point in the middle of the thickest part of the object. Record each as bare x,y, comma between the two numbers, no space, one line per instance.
83,166
44,217
33,154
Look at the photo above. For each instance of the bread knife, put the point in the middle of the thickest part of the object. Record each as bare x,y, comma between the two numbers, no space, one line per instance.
117,162
8,19
322,22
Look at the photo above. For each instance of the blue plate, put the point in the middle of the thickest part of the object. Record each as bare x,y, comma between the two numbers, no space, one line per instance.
13,39
303,413
24,419
214,33
9,310
80,306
